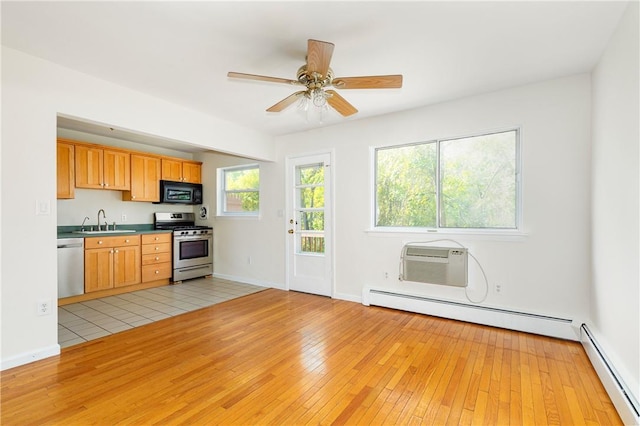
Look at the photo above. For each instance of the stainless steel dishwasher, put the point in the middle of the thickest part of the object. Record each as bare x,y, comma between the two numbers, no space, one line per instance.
70,267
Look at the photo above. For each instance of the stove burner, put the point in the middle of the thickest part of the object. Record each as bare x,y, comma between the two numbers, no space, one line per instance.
177,222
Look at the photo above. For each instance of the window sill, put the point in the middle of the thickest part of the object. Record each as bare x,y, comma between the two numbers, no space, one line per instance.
483,234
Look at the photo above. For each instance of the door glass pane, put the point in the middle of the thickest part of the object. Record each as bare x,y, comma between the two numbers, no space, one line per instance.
311,243
310,198
310,174
309,208
311,221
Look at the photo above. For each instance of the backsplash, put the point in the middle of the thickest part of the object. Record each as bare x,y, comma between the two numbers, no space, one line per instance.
87,202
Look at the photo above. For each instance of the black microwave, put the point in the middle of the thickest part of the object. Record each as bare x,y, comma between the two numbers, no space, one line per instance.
180,192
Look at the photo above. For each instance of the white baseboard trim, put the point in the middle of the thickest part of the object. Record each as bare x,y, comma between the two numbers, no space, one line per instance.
545,325
347,297
627,406
28,357
252,281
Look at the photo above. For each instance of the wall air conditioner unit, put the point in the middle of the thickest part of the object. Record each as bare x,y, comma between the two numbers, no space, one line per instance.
434,265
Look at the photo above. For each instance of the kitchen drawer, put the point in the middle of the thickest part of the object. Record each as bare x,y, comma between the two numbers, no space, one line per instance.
120,241
154,258
156,272
156,238
156,248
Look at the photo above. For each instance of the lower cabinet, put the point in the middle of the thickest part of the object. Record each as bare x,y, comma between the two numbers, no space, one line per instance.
111,262
156,257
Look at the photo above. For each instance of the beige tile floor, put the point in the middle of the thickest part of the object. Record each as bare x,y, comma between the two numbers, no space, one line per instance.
84,321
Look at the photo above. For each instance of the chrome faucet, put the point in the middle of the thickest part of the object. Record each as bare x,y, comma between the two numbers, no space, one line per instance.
104,216
86,218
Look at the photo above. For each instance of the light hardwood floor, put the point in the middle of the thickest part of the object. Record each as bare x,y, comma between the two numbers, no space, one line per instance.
277,357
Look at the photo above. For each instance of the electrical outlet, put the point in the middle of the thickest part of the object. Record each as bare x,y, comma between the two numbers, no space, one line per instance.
498,288
386,275
123,217
43,307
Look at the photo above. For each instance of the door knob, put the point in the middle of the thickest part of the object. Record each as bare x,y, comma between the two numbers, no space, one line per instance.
290,231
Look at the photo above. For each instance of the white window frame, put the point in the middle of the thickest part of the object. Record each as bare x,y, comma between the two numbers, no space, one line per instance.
222,191
517,230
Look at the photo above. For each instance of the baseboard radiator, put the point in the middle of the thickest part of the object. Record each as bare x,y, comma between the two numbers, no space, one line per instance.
562,328
622,399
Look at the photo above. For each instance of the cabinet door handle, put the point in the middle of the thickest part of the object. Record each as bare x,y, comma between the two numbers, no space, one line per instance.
157,272
133,197
157,258
126,241
117,251
100,242
157,238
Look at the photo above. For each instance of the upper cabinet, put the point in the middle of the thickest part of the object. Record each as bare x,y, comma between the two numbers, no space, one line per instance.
181,171
145,179
102,168
137,174
65,167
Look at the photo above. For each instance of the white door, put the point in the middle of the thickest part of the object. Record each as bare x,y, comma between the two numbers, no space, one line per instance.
309,224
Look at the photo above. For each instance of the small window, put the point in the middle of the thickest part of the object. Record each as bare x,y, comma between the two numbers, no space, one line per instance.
463,183
239,191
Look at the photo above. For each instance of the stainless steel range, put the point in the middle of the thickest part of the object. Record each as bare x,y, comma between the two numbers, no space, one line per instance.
192,245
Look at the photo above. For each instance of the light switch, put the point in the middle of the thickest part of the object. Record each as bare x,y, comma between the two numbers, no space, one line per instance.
43,207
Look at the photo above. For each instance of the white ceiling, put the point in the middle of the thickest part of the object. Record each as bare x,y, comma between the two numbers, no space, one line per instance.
182,51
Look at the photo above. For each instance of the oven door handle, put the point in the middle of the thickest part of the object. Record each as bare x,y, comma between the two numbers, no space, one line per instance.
195,237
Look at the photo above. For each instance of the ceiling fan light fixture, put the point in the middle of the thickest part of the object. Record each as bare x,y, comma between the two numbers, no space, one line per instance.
319,97
313,106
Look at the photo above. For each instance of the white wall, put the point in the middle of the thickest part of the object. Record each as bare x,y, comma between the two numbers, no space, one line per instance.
554,118
34,92
615,294
247,249
544,271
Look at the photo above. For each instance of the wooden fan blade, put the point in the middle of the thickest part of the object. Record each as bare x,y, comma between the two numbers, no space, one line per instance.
340,104
286,102
261,78
369,82
319,56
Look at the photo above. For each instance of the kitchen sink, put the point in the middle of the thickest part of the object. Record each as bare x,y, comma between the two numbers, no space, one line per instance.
111,231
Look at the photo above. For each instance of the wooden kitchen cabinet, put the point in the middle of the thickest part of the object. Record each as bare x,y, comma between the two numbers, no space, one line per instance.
117,170
192,172
98,269
65,167
156,257
99,168
145,179
181,171
111,262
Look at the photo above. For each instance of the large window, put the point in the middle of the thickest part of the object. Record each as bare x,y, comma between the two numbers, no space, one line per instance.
469,183
239,191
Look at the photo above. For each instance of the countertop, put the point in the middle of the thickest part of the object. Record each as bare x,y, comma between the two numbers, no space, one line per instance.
67,231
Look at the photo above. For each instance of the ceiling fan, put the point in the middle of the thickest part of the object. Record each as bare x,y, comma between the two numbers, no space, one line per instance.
316,76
